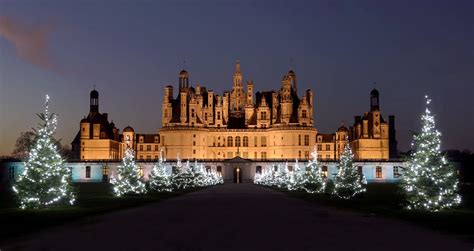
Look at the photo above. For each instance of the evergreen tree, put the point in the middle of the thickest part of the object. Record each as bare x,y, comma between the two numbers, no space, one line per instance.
183,177
348,182
296,177
314,182
128,179
429,180
159,179
281,176
45,181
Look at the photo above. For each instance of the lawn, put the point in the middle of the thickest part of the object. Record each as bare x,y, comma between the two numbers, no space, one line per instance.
93,198
387,200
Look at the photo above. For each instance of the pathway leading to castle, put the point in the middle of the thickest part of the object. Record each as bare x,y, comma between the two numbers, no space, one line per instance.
238,217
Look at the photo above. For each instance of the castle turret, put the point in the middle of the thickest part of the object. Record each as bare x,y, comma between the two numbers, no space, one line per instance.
94,102
374,100
183,79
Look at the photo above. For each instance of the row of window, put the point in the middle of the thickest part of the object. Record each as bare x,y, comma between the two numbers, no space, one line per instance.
258,169
148,148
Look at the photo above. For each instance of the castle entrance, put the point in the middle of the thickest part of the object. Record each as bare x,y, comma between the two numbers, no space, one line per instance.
237,175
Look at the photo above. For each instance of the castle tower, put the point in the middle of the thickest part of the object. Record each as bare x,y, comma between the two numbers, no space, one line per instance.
237,74
183,79
237,95
94,102
374,100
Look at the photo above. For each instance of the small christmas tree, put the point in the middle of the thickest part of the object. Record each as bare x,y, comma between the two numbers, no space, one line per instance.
159,179
296,177
45,181
314,182
128,179
429,180
348,182
183,177
281,176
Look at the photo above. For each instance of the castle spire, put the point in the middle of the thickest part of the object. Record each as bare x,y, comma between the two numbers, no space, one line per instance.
237,67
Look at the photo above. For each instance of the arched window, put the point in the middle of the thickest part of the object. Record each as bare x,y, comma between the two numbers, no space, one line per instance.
229,141
237,141
246,141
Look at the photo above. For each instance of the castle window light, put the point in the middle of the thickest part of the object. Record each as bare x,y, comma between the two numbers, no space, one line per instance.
396,171
320,156
263,141
141,147
105,170
320,147
328,147
258,169
378,172
237,141
306,140
299,140
303,114
263,115
88,172
194,151
156,148
194,135
255,142
246,141
324,170
299,154
148,148
230,141
306,154
264,155
194,143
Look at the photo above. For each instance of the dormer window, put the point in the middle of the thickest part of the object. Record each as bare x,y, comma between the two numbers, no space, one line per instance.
141,139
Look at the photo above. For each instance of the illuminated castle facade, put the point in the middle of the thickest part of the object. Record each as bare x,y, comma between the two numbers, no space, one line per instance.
198,124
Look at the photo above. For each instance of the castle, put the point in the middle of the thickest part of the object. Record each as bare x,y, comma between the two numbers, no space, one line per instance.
237,134
198,124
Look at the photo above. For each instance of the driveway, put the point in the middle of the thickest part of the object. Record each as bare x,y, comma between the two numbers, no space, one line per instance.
238,217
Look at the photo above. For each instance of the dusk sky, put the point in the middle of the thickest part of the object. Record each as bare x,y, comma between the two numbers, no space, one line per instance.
130,50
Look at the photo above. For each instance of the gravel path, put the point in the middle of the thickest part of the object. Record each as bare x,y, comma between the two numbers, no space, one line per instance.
237,217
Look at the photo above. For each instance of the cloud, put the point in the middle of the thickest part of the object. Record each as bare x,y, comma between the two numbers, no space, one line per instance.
30,40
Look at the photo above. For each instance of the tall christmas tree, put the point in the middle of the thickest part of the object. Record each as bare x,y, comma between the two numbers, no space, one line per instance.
281,176
348,182
128,179
314,182
429,180
45,181
159,179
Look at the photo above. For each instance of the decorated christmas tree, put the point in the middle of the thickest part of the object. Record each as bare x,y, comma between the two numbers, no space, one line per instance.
183,177
282,176
314,182
45,181
296,177
348,182
429,180
128,179
159,179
